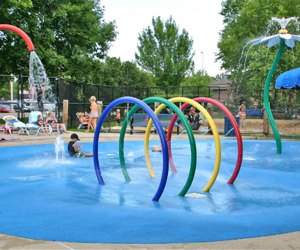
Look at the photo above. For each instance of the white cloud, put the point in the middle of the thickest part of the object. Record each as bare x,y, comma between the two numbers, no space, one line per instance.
200,18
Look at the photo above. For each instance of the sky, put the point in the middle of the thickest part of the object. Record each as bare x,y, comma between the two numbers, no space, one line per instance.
200,18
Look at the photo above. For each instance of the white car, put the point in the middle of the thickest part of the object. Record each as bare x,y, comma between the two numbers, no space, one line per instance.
46,104
16,106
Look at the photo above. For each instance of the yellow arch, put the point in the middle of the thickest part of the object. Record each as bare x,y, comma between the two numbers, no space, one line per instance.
212,126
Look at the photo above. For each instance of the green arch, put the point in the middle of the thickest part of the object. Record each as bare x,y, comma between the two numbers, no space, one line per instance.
188,130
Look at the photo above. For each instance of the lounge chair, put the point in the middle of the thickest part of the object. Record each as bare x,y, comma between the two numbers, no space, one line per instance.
14,123
33,119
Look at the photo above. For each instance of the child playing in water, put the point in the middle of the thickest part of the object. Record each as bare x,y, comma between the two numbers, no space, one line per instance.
74,150
156,148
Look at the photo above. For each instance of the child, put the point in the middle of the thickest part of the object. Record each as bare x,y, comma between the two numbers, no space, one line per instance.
242,114
74,150
118,117
156,148
42,123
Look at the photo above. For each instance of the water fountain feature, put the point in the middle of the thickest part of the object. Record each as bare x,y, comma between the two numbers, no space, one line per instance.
59,149
38,80
282,38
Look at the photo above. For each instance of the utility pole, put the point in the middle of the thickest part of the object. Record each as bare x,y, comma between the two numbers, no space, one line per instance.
11,82
202,57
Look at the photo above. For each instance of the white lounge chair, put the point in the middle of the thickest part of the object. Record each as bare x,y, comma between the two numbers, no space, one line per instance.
14,123
33,119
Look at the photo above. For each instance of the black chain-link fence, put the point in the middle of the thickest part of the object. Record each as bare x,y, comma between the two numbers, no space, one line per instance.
78,96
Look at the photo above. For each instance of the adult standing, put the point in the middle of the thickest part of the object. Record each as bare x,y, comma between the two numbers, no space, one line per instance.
93,113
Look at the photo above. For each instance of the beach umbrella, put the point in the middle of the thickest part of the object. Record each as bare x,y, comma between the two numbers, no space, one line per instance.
289,79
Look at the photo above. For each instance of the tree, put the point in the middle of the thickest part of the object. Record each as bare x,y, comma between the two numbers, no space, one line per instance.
69,36
198,82
245,20
133,76
165,53
114,72
200,78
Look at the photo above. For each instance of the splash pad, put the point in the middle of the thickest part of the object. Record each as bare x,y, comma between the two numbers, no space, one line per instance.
42,199
63,201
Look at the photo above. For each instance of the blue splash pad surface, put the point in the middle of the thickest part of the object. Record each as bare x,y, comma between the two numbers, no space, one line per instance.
62,201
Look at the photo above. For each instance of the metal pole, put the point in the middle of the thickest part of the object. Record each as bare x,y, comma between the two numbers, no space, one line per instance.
22,96
202,56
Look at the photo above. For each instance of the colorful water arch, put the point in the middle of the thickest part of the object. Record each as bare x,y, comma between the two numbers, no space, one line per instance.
170,129
163,141
190,134
166,143
232,121
21,33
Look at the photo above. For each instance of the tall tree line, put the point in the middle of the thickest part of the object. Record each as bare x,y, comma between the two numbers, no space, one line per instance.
248,66
73,39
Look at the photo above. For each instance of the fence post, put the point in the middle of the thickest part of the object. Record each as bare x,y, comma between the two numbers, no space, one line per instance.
65,112
57,82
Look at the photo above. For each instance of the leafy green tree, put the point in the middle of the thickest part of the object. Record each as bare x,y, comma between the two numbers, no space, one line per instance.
69,36
133,76
127,74
245,20
197,83
200,78
165,52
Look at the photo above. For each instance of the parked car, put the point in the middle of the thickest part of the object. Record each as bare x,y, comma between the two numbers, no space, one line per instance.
32,104
48,106
5,109
16,106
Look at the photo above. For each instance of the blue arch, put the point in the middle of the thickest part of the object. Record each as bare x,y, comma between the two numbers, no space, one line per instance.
163,141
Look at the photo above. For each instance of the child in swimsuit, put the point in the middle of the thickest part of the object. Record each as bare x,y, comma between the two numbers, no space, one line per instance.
42,123
118,117
74,150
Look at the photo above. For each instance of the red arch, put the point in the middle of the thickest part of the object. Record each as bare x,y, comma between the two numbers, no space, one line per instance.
235,127
21,33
